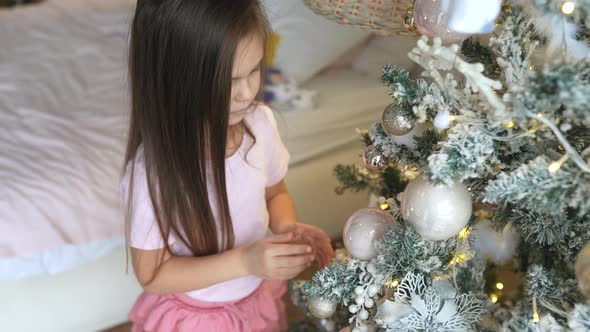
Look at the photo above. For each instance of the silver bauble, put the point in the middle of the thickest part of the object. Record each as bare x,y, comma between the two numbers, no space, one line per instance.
437,212
395,122
363,229
321,307
583,270
373,160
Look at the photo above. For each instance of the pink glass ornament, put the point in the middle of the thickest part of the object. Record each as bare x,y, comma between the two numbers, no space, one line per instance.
432,21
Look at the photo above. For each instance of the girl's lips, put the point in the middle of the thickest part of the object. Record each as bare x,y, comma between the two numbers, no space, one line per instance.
242,111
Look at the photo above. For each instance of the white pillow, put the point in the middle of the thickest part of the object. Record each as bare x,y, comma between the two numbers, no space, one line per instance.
309,42
383,51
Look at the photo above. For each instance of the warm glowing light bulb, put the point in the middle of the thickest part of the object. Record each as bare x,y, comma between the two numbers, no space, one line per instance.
463,233
392,283
554,167
568,7
494,298
384,206
500,286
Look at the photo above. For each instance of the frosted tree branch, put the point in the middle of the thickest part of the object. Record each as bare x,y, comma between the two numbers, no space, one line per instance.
436,56
568,148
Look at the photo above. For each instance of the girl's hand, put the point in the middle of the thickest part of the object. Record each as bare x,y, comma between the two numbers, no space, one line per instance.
275,258
318,240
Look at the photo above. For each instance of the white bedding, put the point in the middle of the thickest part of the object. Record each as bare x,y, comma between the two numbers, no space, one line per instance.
62,123
63,116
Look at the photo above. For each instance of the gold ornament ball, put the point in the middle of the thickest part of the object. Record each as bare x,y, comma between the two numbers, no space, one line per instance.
583,270
321,308
395,122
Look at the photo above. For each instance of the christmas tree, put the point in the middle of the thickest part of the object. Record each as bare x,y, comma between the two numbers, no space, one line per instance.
480,170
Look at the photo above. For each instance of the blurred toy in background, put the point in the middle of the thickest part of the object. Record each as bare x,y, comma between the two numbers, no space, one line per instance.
284,92
280,91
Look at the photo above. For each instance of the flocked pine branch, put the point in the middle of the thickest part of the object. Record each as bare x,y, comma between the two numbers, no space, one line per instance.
534,187
467,153
335,282
403,250
475,52
579,319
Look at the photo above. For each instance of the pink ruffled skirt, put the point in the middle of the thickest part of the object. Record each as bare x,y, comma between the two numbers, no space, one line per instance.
262,310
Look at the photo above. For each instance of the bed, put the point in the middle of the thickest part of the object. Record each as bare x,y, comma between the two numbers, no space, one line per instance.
63,117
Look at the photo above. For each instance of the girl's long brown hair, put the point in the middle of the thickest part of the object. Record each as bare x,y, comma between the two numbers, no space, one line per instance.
180,66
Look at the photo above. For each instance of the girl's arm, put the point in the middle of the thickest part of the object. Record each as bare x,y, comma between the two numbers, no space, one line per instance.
176,274
281,209
271,258
283,218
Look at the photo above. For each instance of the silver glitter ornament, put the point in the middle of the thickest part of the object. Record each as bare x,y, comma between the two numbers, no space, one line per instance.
373,160
583,270
321,308
437,212
395,122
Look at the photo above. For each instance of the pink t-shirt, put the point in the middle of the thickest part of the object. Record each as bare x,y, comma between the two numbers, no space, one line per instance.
246,183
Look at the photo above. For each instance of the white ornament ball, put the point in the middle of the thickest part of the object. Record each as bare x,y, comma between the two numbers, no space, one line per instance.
364,315
363,229
369,303
359,290
583,270
360,300
468,16
371,268
373,290
437,212
353,308
408,139
442,120
321,307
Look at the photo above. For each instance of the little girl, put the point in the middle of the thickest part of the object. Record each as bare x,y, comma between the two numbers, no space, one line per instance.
204,173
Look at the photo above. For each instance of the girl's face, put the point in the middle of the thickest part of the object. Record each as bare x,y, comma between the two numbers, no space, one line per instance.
245,77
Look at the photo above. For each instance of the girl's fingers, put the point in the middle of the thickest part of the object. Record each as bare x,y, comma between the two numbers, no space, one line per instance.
290,249
296,261
281,238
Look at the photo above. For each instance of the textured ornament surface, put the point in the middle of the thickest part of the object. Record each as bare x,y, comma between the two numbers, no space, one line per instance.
394,122
321,308
431,21
373,160
437,212
363,229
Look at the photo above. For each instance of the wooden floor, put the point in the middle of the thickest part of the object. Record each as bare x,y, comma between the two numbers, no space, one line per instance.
293,313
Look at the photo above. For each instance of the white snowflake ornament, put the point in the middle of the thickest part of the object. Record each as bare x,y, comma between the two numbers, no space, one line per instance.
438,307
